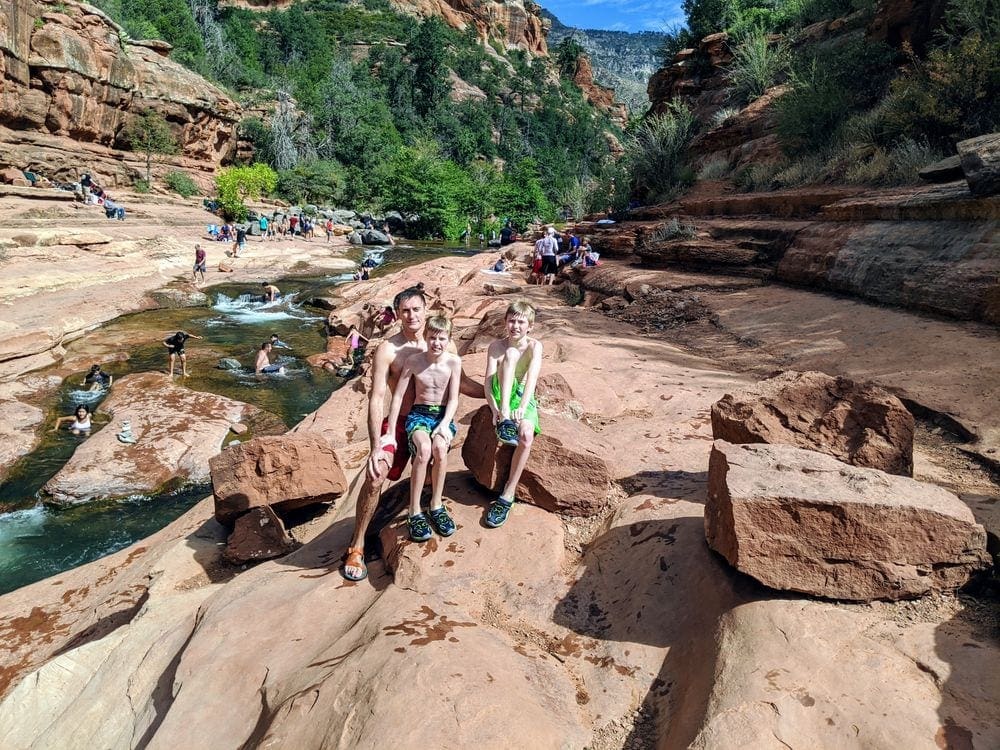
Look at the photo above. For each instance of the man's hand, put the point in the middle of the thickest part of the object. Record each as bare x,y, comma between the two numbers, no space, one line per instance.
378,463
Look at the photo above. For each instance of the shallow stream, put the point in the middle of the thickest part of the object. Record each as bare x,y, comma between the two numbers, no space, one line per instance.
37,541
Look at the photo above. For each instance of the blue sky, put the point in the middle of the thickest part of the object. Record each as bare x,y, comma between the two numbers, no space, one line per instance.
618,15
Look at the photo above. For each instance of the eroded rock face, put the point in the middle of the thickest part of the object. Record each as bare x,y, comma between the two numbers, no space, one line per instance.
857,423
258,535
171,444
601,97
517,22
981,164
70,72
798,520
566,471
281,471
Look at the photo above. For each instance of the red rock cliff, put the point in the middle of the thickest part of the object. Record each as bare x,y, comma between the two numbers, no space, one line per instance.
70,81
515,22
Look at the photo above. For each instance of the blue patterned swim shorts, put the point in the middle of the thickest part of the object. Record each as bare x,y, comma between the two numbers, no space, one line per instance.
425,417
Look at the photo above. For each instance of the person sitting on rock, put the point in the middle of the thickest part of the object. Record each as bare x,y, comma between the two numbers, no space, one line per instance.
97,379
80,420
501,265
512,367
175,345
436,375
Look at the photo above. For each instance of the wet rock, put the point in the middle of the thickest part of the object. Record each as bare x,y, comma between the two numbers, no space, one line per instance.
177,430
566,471
282,471
374,237
177,298
228,363
238,428
258,535
798,520
857,423
981,164
355,238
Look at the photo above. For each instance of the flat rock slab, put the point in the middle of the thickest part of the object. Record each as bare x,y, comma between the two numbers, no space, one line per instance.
566,470
858,423
177,431
283,471
798,520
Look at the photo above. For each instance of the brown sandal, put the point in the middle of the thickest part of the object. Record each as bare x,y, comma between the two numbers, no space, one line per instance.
355,559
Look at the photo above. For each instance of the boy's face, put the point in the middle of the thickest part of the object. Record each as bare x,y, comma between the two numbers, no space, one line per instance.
437,341
517,326
411,313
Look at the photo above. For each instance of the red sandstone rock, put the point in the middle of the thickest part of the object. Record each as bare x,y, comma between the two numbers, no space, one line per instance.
284,471
981,164
857,423
566,470
798,520
258,535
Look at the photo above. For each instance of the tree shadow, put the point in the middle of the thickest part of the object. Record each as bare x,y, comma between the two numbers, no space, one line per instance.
691,486
658,584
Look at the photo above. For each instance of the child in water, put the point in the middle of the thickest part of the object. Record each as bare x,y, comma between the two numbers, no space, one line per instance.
80,421
512,367
436,375
97,379
353,339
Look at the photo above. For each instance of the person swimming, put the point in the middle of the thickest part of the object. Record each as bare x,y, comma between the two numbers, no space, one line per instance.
263,365
97,379
81,424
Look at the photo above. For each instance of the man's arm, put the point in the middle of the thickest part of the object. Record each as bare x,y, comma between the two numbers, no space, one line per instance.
397,402
531,380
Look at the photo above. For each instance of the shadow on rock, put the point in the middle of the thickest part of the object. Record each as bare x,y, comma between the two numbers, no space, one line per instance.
656,583
691,486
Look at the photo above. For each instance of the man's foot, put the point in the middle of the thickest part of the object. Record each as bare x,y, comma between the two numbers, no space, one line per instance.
507,431
420,530
496,514
354,565
442,521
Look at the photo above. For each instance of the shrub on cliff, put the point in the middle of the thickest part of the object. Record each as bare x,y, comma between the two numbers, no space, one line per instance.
150,134
656,153
758,63
181,183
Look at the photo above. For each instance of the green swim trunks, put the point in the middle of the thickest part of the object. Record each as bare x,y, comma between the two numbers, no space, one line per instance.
530,413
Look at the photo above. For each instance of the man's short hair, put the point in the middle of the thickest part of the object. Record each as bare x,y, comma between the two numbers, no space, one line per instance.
409,293
521,308
437,323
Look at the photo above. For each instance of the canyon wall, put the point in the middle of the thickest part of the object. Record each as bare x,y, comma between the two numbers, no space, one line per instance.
72,80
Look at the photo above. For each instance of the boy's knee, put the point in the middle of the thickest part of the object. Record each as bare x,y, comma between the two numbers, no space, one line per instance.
439,450
526,437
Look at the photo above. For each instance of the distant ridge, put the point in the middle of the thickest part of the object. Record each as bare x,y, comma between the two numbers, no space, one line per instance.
624,60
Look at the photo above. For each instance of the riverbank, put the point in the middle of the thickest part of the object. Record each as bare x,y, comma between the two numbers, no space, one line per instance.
615,629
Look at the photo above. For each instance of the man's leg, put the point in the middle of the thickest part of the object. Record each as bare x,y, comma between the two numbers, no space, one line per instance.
184,365
371,491
525,437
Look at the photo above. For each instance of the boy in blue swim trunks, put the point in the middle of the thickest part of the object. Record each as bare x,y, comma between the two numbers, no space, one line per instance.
512,367
436,375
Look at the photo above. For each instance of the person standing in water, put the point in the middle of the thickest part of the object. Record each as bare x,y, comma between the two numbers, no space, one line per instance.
80,421
175,345
97,379
271,292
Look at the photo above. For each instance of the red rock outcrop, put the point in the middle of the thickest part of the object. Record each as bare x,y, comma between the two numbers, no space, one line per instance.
70,73
798,520
601,97
858,423
566,470
258,535
696,75
281,471
516,22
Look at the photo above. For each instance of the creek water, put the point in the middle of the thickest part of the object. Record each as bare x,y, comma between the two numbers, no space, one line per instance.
38,540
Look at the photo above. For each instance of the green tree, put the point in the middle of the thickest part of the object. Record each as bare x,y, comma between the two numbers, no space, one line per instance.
427,51
149,133
567,55
434,188
236,185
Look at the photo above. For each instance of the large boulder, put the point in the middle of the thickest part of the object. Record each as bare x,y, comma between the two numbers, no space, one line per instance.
566,470
172,445
374,237
281,471
798,520
857,423
981,164
258,535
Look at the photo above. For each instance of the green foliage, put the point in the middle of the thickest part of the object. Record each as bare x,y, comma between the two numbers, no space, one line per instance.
427,57
313,182
714,169
758,63
181,183
520,195
141,186
170,20
567,55
825,91
235,185
149,133
656,153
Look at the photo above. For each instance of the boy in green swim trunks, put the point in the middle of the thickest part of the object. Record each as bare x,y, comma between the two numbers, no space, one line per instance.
512,368
436,375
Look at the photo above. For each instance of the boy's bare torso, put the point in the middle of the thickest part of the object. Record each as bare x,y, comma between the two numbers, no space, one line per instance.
431,377
521,352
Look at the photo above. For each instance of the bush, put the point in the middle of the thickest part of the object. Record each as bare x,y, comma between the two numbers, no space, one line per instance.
238,184
672,230
313,182
181,183
804,170
656,153
757,177
141,186
726,113
714,169
758,63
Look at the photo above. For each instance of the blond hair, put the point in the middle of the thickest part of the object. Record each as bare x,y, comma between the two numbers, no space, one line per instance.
437,323
522,309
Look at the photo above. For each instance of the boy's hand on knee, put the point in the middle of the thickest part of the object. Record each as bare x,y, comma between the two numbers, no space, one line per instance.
518,414
442,432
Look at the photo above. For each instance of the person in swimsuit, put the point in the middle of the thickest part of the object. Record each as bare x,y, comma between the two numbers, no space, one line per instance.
263,365
353,339
277,343
97,379
80,420
271,292
512,367
175,345
436,375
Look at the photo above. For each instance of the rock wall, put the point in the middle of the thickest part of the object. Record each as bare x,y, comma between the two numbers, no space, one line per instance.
599,96
516,22
71,76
